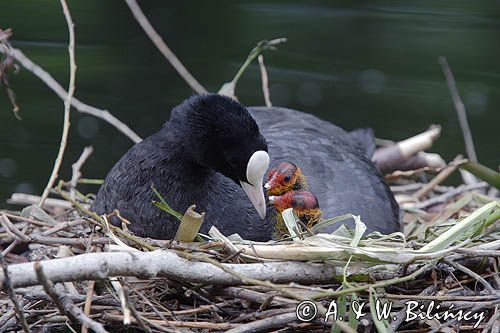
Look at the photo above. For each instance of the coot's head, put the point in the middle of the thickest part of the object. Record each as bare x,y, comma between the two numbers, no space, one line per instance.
304,203
284,178
222,135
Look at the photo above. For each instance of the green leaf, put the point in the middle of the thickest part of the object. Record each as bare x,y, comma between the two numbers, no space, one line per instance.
163,205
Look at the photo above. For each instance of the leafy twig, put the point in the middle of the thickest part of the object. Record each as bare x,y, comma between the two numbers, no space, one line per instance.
229,88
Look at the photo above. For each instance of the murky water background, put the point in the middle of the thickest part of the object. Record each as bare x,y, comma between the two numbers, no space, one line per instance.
372,63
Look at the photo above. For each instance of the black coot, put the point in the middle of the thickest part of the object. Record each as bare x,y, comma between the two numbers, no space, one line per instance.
212,154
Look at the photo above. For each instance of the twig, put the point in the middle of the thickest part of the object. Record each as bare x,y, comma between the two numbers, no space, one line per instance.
265,80
381,284
445,173
473,274
229,88
30,199
67,103
449,195
12,229
163,48
132,308
88,303
460,108
494,321
64,304
12,295
190,324
76,169
148,302
48,287
266,324
62,93
101,222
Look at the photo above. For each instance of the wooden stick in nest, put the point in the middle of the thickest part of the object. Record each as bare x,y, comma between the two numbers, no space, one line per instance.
93,266
64,303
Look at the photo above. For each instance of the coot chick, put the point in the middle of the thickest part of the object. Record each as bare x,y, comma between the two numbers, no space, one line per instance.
304,203
284,178
210,153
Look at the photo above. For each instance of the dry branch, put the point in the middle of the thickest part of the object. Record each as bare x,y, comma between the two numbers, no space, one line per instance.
62,93
10,290
391,157
445,173
30,199
267,324
93,266
163,48
67,103
64,303
87,151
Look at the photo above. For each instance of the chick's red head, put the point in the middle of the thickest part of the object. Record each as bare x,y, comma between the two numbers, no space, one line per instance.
300,201
284,178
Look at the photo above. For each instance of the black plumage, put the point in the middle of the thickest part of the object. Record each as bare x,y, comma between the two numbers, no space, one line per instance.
200,155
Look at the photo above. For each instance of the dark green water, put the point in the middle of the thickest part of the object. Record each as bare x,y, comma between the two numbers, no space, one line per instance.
373,63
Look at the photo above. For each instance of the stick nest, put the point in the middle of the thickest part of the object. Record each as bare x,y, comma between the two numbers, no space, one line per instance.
209,286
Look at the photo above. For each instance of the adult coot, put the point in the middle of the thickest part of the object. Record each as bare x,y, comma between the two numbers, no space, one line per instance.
212,154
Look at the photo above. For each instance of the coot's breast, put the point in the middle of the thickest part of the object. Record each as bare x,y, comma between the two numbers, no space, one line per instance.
340,174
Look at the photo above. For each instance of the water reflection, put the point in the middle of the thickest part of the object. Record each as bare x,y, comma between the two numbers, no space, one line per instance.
369,63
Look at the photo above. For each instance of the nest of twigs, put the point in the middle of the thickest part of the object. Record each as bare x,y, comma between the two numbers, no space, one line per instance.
70,271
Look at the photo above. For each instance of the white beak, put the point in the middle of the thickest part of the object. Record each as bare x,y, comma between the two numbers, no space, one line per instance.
256,168
256,195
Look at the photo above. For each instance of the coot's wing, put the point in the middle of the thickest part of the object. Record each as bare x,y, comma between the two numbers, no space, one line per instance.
364,139
340,174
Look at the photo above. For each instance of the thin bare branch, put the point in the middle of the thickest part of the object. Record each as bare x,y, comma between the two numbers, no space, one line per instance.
163,48
265,80
88,303
12,295
460,108
67,103
64,303
62,93
87,151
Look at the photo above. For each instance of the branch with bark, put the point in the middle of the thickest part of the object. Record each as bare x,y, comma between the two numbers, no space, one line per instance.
93,266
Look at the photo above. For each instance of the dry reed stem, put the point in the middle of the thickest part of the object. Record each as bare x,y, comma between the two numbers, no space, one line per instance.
265,81
460,108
